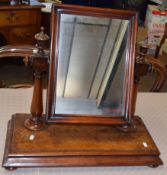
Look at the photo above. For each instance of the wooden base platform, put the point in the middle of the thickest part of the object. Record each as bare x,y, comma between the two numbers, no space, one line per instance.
78,145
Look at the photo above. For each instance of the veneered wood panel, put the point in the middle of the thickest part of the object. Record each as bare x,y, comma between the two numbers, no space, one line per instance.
14,17
18,17
78,145
22,34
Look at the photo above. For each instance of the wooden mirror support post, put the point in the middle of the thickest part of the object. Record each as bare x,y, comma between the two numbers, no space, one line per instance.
39,63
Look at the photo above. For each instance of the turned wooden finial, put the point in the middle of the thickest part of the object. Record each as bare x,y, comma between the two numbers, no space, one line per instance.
42,40
39,63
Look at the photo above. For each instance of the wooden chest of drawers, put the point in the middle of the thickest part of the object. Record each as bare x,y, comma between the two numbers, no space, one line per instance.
19,24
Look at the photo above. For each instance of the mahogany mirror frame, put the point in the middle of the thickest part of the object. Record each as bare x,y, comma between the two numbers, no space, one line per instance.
57,10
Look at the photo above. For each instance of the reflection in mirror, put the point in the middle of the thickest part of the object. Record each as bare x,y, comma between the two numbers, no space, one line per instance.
91,65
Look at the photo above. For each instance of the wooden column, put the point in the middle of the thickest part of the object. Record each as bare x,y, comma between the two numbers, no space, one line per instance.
36,122
39,63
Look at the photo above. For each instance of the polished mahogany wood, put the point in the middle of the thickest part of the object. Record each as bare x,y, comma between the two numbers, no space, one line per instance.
78,145
75,141
39,65
17,50
19,23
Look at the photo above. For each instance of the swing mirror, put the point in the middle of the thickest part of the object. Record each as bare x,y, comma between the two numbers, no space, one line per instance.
91,65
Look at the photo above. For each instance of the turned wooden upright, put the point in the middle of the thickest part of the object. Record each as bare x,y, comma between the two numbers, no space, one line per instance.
39,63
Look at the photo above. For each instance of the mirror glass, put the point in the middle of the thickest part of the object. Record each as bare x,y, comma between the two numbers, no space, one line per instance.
92,54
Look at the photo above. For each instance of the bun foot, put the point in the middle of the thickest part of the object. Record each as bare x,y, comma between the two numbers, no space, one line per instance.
10,168
153,166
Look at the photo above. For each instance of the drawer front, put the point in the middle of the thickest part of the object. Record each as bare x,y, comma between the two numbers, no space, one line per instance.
18,17
22,35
